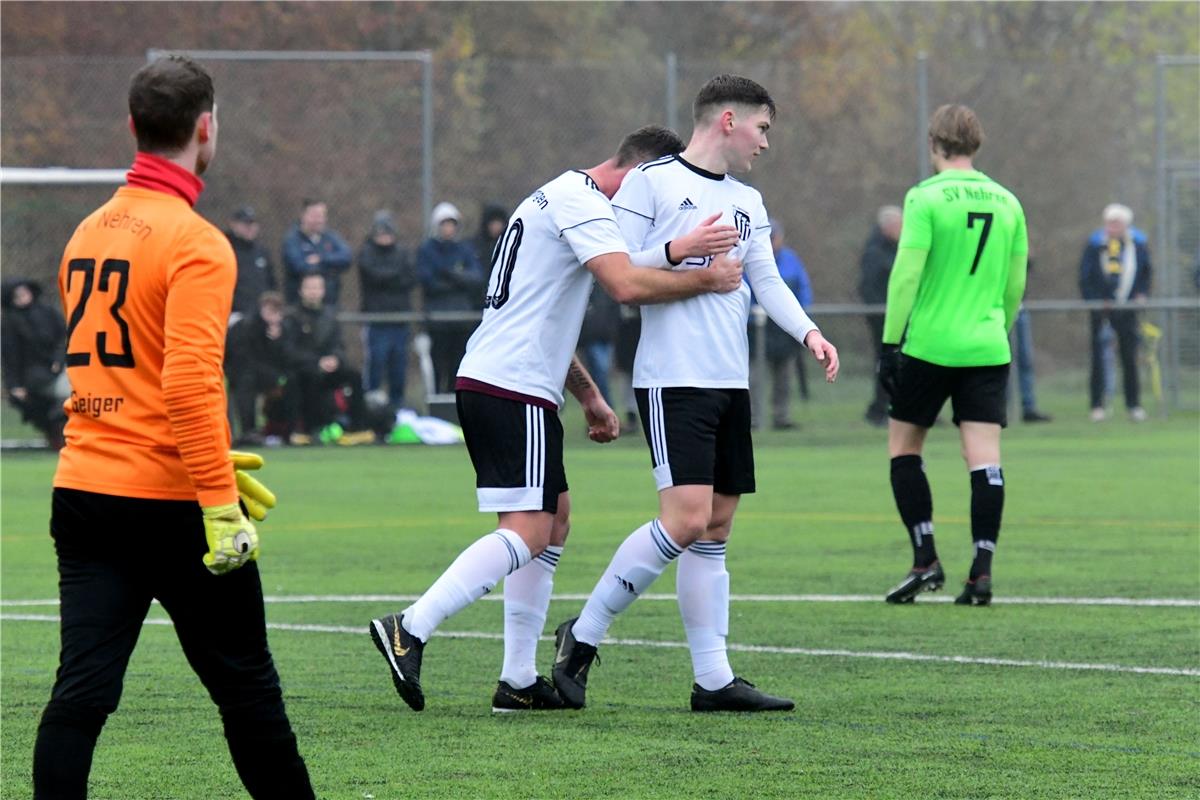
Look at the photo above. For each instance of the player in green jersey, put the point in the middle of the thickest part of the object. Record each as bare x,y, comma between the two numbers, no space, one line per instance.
953,296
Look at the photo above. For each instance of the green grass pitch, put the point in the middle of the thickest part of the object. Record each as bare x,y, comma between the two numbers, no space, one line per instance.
1022,700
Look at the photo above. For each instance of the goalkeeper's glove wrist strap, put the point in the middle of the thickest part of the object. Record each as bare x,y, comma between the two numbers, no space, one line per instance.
230,511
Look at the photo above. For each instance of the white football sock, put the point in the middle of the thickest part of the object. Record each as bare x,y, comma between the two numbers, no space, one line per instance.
702,587
639,560
473,574
526,599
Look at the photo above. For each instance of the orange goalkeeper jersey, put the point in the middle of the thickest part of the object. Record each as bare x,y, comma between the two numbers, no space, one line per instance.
147,286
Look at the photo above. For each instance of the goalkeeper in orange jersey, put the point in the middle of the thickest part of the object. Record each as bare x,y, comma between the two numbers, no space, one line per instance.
146,503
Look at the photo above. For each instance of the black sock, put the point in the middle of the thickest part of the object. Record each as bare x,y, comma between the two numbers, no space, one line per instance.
915,503
987,506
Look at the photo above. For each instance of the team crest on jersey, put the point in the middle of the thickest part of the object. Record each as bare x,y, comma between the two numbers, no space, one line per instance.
741,221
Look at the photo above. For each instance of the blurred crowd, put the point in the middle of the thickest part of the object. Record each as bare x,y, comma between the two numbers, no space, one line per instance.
289,375
291,380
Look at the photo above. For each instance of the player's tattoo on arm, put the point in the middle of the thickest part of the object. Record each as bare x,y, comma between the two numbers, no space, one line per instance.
579,383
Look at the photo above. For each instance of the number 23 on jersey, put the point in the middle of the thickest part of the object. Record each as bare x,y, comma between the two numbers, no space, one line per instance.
112,281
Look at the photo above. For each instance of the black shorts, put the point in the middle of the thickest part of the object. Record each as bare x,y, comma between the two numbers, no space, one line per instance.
699,436
517,451
977,394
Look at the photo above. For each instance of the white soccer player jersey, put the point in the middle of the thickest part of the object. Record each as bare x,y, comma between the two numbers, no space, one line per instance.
701,341
538,290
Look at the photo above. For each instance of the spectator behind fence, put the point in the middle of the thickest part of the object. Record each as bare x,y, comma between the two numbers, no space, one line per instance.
876,267
387,278
322,385
453,280
782,349
598,338
491,225
1026,375
1115,268
310,248
629,331
255,272
257,367
32,344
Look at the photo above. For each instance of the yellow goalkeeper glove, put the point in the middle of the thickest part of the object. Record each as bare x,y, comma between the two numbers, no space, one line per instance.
232,540
257,498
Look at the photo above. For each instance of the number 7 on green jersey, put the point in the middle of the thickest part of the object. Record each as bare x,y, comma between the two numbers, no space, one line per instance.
986,216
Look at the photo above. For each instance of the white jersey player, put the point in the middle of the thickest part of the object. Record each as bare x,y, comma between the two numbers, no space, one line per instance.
691,379
509,390
701,341
524,347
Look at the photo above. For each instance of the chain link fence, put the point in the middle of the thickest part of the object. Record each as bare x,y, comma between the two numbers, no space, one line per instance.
1067,137
1178,167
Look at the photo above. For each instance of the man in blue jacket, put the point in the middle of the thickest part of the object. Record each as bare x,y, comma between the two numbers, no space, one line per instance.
310,248
782,349
875,266
1115,268
453,280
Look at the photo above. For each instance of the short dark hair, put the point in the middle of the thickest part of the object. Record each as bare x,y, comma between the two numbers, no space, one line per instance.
272,299
727,90
166,97
648,143
955,131
309,202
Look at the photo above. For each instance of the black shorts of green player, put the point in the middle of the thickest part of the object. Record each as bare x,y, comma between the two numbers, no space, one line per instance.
976,394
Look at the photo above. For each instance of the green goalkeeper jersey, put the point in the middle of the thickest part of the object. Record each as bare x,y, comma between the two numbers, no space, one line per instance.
960,271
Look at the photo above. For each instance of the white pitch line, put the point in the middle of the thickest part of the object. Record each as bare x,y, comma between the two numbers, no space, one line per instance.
1158,602
879,655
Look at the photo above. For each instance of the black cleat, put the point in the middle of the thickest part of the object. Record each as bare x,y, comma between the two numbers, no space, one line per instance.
976,593
538,696
925,579
403,653
572,659
739,695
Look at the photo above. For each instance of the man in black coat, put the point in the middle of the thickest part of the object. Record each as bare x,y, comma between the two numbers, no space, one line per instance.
33,344
878,255
324,386
387,276
256,365
256,273
598,338
491,225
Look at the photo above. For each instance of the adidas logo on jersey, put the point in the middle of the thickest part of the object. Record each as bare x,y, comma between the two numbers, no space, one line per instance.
687,205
